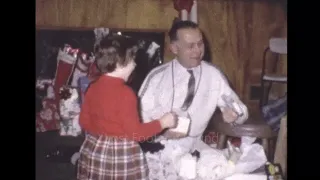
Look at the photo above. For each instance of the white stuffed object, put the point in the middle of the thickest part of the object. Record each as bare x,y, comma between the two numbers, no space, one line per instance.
69,112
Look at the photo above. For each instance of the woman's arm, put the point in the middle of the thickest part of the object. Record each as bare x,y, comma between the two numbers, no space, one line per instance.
130,120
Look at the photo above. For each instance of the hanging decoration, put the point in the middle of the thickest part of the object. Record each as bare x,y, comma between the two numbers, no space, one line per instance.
183,7
187,9
194,12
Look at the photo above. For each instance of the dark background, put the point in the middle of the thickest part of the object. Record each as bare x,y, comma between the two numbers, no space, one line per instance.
48,43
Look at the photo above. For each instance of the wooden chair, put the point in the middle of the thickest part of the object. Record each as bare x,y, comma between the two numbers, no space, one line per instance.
255,126
278,47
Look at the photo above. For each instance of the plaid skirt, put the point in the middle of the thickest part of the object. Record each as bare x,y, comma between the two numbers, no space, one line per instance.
109,158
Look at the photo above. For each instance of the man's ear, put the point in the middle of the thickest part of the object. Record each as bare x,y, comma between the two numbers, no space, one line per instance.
174,48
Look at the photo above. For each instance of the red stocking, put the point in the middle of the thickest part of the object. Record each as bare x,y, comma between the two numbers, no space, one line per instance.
66,60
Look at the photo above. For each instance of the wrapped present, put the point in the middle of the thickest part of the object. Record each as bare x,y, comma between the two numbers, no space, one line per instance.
183,125
48,118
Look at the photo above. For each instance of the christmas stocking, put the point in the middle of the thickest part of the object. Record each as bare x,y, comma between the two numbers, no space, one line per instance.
65,64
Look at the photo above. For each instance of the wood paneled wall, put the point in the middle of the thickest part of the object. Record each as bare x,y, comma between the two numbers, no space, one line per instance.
237,31
136,14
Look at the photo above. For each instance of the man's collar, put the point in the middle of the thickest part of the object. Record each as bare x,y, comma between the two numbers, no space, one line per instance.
178,68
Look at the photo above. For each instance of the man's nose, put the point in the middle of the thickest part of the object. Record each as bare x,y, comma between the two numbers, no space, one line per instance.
196,49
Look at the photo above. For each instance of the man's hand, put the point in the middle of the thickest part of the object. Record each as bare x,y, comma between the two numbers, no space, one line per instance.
229,116
173,135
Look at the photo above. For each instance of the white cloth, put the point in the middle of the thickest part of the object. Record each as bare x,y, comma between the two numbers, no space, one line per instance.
156,97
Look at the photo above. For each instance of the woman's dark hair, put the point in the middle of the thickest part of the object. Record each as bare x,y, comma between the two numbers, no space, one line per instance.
115,50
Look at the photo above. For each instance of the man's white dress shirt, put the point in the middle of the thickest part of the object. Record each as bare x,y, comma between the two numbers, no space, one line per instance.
165,89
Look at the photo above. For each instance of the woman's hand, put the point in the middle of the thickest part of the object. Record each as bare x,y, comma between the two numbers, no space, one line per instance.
168,120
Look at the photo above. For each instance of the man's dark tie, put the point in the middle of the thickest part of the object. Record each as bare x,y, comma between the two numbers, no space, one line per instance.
190,94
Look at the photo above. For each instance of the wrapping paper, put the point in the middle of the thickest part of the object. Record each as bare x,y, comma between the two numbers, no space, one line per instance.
213,164
48,118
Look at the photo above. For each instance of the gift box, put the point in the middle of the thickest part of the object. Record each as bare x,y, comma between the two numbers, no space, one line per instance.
48,118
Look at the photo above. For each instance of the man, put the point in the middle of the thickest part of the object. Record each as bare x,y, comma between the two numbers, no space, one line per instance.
190,86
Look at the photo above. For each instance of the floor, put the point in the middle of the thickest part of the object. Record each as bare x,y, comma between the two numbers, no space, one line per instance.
46,170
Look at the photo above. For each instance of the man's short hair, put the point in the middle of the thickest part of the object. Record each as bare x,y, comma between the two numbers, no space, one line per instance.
180,25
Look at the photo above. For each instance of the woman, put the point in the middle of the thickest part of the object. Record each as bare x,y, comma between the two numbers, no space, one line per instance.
109,115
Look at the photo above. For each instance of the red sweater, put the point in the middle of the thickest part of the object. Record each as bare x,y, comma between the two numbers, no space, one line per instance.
110,109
